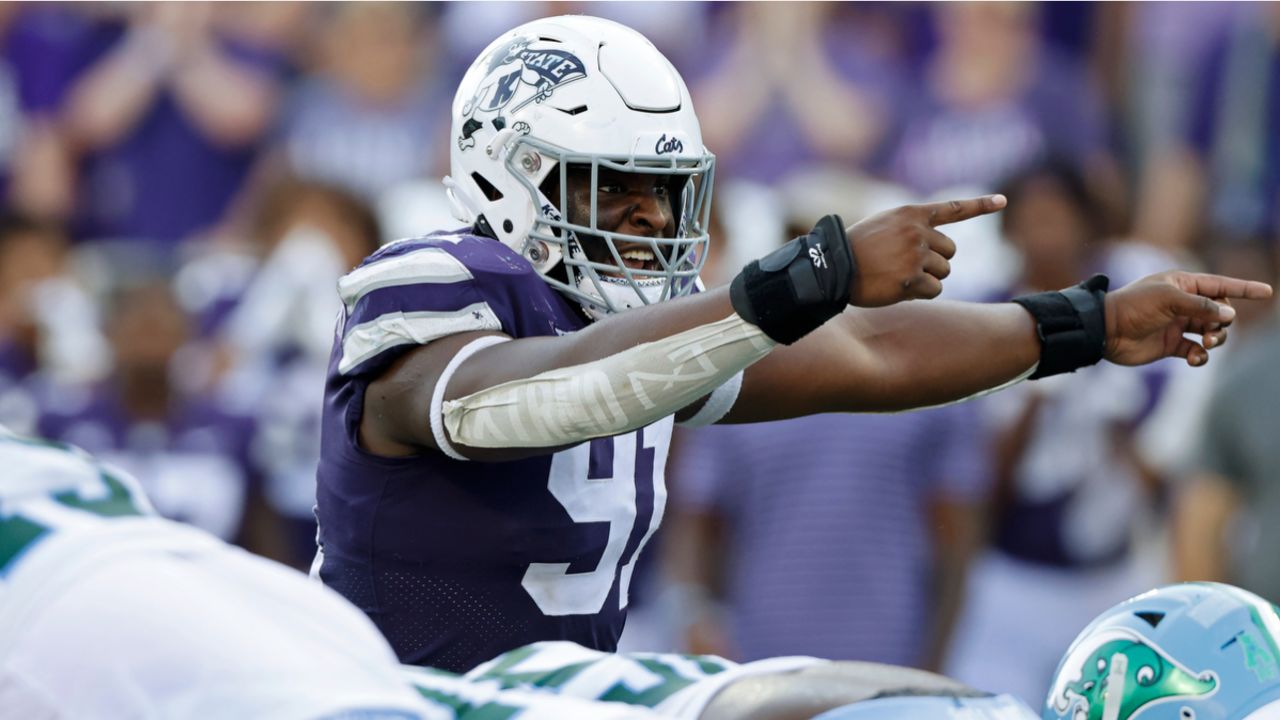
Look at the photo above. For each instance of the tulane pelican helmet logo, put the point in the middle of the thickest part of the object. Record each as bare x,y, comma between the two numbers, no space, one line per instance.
518,74
1120,661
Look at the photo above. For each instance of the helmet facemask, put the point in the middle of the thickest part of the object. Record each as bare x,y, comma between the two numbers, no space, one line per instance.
594,271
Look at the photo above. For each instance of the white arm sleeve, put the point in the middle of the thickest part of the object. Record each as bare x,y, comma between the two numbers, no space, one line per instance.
613,395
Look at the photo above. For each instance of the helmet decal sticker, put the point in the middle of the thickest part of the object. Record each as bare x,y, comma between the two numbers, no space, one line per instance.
517,74
1262,658
1258,660
1150,676
666,145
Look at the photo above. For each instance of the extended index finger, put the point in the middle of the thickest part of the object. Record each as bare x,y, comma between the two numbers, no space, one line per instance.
950,211
1221,286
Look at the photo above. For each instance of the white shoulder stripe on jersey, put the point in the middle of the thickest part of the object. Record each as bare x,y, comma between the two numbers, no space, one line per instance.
428,265
366,340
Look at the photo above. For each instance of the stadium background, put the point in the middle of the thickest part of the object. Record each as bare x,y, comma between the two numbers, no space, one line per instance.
184,183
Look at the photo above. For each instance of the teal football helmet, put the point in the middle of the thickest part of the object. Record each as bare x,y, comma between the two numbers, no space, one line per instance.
1194,651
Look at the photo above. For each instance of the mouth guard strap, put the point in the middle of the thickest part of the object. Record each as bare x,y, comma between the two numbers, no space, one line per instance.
610,396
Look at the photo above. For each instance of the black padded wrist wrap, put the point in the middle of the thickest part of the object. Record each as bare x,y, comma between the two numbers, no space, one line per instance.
793,290
1071,325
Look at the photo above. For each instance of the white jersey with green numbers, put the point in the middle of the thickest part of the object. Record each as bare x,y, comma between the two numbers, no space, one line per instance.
107,610
673,685
489,700
49,489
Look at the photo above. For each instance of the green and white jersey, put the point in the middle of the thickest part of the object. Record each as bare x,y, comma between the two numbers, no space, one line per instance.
673,685
464,699
50,488
645,679
107,610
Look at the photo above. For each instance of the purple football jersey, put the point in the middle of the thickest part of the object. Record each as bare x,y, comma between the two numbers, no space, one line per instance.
457,562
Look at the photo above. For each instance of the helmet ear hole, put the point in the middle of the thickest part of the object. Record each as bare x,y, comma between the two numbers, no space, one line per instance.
507,226
1152,618
490,192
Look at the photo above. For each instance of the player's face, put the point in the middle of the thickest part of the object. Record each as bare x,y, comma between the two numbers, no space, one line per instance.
630,203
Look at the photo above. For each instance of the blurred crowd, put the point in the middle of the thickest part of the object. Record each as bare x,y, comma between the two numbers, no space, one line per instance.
185,182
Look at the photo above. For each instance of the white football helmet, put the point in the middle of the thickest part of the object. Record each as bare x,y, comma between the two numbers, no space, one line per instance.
588,93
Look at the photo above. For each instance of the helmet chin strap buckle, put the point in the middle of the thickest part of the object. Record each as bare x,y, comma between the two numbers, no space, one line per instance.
498,146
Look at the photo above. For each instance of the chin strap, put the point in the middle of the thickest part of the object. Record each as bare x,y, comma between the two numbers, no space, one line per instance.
459,204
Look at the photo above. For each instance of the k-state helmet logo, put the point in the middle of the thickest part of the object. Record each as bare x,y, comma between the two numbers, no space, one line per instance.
518,74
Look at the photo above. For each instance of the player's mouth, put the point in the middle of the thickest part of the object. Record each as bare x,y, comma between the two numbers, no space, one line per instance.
635,256
639,258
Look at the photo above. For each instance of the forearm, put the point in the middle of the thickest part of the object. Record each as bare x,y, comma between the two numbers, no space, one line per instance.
231,104
890,359
106,105
530,385
527,357
593,392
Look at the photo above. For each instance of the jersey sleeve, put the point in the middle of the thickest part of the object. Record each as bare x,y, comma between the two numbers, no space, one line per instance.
417,291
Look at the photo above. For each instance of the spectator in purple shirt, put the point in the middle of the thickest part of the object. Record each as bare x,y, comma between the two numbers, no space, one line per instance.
1071,480
190,455
841,536
373,113
792,88
275,334
169,116
994,100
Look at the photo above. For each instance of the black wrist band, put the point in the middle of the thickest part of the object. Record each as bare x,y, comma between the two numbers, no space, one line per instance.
795,289
1071,325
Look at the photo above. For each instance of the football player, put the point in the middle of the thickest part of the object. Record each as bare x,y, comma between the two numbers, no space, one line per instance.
109,611
1193,651
500,397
